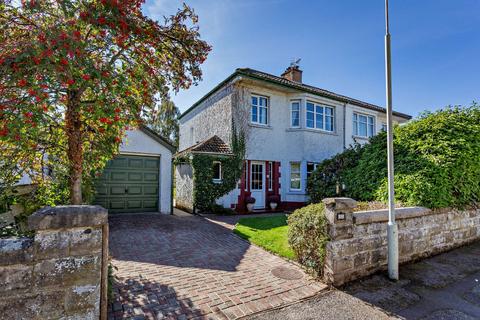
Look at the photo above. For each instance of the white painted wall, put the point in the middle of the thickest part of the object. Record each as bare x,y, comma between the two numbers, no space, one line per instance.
278,141
138,143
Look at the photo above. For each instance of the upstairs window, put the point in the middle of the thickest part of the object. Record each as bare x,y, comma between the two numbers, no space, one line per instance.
319,117
295,114
363,125
384,126
259,110
217,171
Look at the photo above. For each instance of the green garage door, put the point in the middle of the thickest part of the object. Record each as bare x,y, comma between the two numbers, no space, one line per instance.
129,184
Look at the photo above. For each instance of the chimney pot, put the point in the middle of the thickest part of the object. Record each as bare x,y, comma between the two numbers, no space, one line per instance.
293,73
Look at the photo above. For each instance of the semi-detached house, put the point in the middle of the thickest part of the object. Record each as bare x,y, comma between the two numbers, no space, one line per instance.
290,127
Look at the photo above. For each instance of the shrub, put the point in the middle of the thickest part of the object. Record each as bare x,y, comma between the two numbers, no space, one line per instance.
308,236
323,183
221,210
437,163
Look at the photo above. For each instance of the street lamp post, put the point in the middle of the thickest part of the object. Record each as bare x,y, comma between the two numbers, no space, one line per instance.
392,229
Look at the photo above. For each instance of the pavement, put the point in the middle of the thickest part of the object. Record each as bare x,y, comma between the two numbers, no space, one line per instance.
443,287
446,286
190,267
332,304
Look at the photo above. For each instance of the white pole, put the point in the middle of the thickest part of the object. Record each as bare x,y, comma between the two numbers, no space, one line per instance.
392,230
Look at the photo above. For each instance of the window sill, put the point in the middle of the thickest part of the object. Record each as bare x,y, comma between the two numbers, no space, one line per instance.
262,126
296,192
333,133
360,137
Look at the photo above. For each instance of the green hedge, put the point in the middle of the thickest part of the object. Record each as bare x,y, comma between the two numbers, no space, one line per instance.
437,163
308,236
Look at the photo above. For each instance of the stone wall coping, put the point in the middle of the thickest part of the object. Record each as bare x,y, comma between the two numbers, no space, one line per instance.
372,216
73,216
340,203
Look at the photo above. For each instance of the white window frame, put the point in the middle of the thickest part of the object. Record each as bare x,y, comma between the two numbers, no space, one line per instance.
315,115
291,113
299,173
356,120
258,106
270,176
246,173
217,180
315,166
384,126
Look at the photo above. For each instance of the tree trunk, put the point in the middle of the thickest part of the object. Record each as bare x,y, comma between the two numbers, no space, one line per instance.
73,128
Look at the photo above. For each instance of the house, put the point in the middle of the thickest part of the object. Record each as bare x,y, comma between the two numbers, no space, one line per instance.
139,178
289,128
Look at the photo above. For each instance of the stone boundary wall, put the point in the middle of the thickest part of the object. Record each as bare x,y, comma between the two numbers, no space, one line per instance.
62,272
358,245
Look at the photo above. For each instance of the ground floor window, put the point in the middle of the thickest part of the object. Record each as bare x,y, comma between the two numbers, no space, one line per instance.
217,171
270,176
311,167
295,176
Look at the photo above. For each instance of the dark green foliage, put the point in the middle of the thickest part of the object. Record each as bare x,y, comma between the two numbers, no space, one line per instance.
325,181
308,236
437,163
205,190
220,210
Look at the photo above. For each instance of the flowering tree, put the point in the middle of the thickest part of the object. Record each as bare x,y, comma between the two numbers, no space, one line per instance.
74,75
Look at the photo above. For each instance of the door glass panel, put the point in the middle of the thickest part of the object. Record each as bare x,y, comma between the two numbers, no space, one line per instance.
257,177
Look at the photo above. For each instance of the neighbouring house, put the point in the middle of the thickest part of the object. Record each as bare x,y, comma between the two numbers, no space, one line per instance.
138,179
289,127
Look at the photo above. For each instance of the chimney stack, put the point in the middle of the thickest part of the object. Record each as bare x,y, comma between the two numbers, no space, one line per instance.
293,73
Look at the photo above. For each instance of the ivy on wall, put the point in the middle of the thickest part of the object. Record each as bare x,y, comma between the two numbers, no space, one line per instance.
205,190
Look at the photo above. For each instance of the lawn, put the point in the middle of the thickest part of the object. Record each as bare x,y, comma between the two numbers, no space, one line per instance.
269,233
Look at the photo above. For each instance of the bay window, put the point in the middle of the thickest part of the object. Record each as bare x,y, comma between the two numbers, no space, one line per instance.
319,117
295,114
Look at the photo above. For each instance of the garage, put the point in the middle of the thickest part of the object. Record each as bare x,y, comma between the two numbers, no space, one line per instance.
139,178
129,184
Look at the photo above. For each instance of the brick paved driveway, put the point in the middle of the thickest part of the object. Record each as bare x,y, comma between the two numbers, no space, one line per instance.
187,267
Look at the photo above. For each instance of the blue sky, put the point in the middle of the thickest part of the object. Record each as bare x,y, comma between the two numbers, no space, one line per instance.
435,46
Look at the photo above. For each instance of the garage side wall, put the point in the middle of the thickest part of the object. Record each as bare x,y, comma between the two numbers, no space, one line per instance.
184,187
139,143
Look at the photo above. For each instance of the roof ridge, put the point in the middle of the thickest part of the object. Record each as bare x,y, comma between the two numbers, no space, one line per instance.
264,76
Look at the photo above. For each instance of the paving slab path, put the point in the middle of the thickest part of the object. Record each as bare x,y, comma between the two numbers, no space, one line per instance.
443,287
189,267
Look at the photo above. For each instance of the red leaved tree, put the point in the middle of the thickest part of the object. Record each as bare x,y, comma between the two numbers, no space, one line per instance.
75,74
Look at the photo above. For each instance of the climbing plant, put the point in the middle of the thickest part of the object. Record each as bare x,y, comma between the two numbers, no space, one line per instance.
205,190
